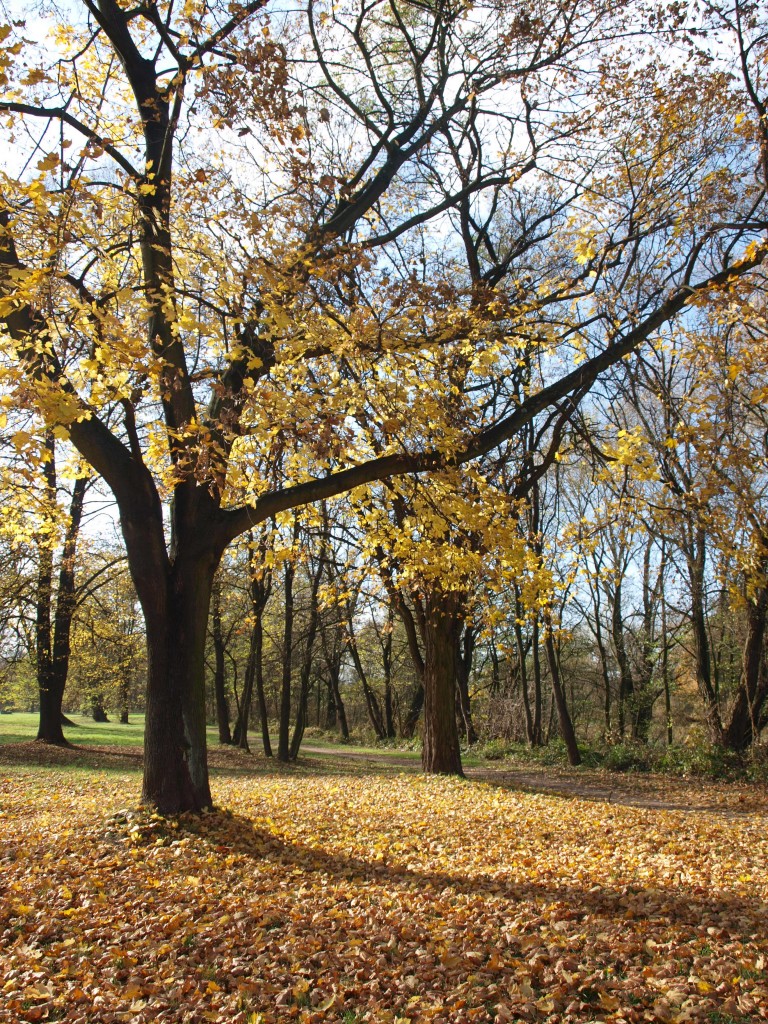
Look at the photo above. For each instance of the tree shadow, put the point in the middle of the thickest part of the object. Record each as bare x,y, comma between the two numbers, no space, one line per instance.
627,902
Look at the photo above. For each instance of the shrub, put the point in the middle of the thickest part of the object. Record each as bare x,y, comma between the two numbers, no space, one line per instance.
494,750
628,757
702,759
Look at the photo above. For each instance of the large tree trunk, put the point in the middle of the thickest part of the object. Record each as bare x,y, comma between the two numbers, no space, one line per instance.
440,745
175,755
174,589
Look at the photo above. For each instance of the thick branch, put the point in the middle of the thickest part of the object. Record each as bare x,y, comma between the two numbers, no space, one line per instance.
237,521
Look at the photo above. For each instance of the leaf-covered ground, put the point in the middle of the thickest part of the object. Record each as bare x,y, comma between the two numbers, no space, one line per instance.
362,895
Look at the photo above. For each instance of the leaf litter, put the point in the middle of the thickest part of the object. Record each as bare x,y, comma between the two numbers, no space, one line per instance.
367,897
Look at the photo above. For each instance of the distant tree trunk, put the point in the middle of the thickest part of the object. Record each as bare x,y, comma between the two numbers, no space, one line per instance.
522,671
240,731
464,655
495,669
341,711
665,672
440,744
98,712
331,712
125,696
309,644
371,700
386,657
626,683
260,694
259,590
538,728
53,645
563,715
283,743
219,675
416,702
606,676
695,553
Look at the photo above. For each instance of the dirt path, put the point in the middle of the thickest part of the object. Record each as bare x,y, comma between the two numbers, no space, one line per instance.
661,792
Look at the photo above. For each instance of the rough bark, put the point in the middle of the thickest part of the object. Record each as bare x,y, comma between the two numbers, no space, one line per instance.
440,754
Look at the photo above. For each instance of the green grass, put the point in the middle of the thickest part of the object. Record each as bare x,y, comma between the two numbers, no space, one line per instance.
21,726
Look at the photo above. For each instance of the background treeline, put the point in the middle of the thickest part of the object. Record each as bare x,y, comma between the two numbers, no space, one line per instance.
620,604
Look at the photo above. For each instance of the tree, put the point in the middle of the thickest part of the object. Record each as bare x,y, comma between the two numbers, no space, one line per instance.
173,318
44,513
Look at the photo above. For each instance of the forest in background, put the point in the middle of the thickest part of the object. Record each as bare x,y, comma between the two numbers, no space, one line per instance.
644,597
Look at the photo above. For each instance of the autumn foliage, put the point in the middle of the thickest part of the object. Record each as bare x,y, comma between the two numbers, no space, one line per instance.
351,894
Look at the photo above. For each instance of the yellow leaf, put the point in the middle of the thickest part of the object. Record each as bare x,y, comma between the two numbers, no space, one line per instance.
48,163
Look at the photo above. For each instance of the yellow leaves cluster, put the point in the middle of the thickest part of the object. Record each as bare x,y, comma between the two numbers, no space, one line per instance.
387,897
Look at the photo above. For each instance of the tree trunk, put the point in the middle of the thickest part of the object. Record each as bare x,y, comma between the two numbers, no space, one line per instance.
626,682
440,746
219,674
417,697
464,654
538,726
695,558
748,711
284,739
240,731
386,656
309,647
563,715
341,711
260,694
371,700
260,588
53,647
522,663
175,603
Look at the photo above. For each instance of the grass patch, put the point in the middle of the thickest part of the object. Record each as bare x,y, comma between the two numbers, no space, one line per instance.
21,727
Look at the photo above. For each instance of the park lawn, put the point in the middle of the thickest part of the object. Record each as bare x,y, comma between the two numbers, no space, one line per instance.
21,727
342,892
